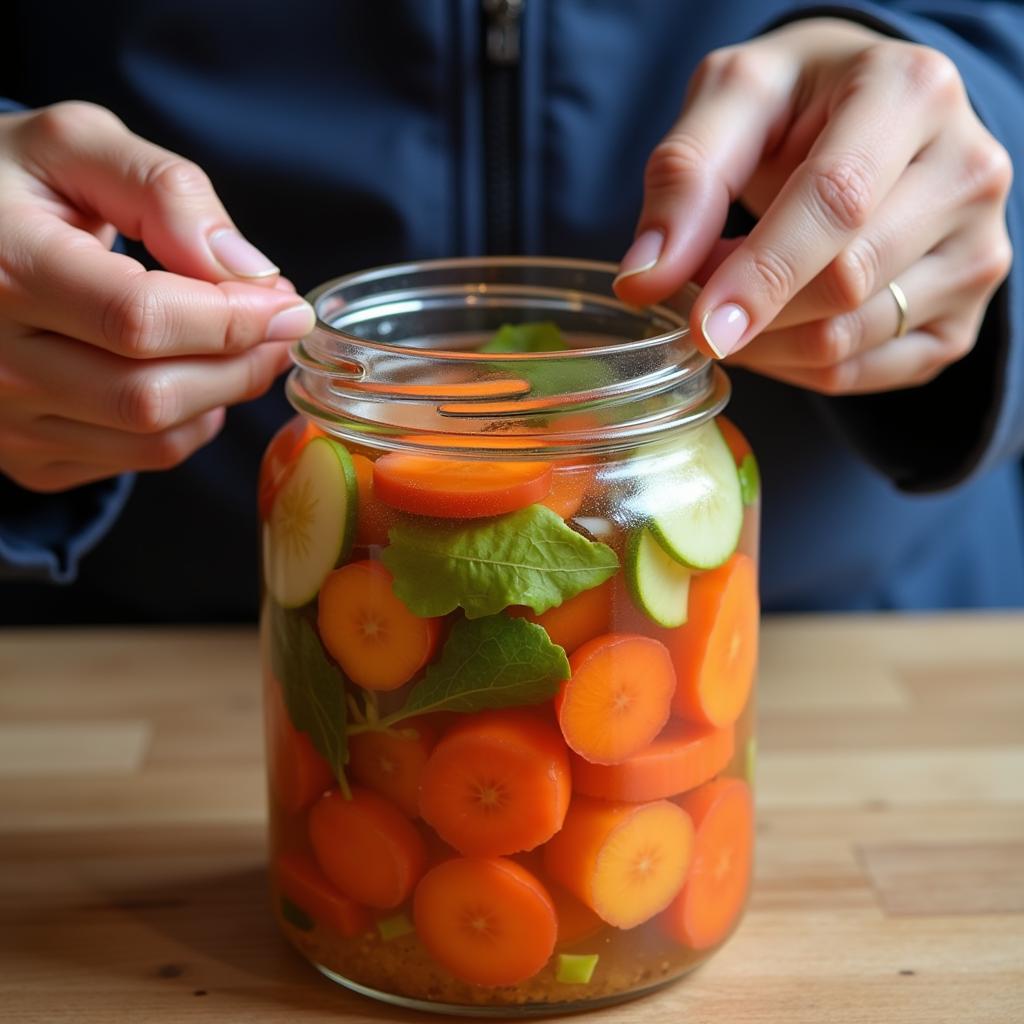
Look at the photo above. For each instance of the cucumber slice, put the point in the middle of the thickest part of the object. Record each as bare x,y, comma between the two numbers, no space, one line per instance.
312,523
701,490
658,584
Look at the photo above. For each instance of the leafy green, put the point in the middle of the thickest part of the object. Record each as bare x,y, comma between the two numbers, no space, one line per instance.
314,688
546,377
496,662
750,479
537,336
527,557
296,916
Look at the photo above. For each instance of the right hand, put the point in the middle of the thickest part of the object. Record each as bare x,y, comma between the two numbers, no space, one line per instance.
106,367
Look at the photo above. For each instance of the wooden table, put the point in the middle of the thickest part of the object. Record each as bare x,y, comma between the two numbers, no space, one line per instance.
890,884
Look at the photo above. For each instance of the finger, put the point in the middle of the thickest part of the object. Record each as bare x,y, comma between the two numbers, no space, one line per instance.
831,340
80,453
957,278
59,376
110,301
87,155
738,100
878,126
949,184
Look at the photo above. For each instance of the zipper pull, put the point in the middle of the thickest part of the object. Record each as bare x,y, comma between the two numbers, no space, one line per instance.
503,30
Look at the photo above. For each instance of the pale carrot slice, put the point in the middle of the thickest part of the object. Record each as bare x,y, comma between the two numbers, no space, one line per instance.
681,757
624,861
487,921
711,901
618,697
715,653
366,847
377,641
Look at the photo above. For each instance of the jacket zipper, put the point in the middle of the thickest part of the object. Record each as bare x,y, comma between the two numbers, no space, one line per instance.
502,36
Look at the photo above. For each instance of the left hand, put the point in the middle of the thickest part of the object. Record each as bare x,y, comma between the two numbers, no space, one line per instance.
865,164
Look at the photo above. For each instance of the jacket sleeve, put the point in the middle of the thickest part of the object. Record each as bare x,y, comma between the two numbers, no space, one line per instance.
970,417
43,536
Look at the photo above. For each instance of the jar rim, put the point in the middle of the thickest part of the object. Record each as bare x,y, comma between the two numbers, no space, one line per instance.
635,365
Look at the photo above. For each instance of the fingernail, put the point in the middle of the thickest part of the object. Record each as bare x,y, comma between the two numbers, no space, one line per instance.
239,256
291,323
723,327
642,254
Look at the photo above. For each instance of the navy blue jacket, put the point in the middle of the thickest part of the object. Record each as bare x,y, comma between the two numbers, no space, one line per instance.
343,135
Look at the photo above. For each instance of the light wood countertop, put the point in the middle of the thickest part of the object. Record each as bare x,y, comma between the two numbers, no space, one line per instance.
890,879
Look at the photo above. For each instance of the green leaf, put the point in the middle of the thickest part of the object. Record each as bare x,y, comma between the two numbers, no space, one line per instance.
538,336
296,916
750,479
314,688
497,662
527,557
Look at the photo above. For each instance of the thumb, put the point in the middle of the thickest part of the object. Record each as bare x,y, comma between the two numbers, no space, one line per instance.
148,193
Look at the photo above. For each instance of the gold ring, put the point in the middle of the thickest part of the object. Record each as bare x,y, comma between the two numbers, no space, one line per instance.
902,326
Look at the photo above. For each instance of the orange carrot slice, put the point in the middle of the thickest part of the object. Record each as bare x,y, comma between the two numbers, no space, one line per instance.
617,698
576,921
279,458
376,640
297,774
624,861
711,902
366,847
497,783
734,438
371,524
390,763
575,621
488,921
681,757
301,881
432,485
715,653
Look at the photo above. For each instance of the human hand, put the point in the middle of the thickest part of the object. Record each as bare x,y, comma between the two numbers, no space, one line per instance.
865,163
105,366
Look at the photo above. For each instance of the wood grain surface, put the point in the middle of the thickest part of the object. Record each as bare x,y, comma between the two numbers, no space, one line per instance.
890,880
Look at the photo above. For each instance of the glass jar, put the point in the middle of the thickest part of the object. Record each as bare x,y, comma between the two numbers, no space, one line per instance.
510,625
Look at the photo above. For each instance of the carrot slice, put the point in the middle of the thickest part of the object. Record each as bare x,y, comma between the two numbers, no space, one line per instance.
366,847
301,881
371,524
432,485
488,921
376,640
297,774
711,902
715,653
618,696
390,763
570,485
624,861
734,438
575,621
497,783
279,458
576,921
681,757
